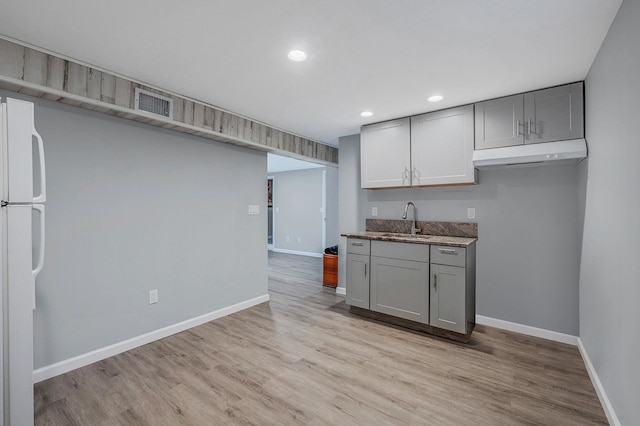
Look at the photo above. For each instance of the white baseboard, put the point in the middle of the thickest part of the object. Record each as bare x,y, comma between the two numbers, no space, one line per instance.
341,291
597,384
70,364
301,253
528,330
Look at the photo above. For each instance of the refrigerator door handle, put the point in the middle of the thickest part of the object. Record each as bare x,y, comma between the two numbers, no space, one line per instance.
35,272
42,197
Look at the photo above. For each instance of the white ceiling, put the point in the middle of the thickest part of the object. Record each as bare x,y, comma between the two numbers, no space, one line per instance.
384,55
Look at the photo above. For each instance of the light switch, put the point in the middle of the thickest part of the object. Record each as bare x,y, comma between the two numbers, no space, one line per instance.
374,211
253,209
153,296
471,213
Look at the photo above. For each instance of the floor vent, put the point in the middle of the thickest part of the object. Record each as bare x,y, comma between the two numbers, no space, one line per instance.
153,103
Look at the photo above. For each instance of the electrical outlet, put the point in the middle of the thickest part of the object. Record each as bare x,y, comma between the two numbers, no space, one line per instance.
471,213
299,239
253,209
374,211
288,239
153,296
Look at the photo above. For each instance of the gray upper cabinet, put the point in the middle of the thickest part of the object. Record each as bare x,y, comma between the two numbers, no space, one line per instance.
554,114
499,122
546,115
442,147
429,149
385,158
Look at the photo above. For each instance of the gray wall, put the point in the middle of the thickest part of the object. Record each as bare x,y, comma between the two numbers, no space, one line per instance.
350,197
297,203
132,208
333,235
528,246
610,270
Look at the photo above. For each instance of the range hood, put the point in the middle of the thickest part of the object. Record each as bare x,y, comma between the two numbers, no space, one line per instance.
549,152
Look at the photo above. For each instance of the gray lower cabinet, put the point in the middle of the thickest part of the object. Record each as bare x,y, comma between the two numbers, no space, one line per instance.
400,280
428,284
358,280
448,297
452,288
358,273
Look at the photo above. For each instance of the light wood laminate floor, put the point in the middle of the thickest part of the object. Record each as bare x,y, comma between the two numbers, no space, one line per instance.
303,358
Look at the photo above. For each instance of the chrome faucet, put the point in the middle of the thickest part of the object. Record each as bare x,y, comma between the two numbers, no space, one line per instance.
414,230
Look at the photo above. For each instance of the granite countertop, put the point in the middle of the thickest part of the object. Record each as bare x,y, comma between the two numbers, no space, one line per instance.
408,238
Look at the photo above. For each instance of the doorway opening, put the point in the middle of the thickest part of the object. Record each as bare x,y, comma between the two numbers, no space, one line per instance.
270,222
302,208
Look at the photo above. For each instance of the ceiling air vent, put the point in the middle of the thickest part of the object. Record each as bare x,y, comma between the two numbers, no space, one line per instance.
153,103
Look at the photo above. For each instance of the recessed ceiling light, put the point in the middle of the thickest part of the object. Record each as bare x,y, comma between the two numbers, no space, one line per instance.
297,55
366,113
435,98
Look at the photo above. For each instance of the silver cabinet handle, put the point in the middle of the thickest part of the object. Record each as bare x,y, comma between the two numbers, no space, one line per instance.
518,124
405,175
357,244
529,131
435,282
415,176
448,251
365,270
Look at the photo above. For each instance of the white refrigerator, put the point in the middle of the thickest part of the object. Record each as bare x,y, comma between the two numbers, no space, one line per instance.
23,191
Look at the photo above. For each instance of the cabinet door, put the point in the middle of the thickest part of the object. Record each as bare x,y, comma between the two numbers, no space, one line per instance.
385,154
554,114
357,280
447,298
442,147
400,288
499,122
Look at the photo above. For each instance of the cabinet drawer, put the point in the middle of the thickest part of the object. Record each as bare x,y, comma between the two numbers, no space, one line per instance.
404,251
358,246
445,255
